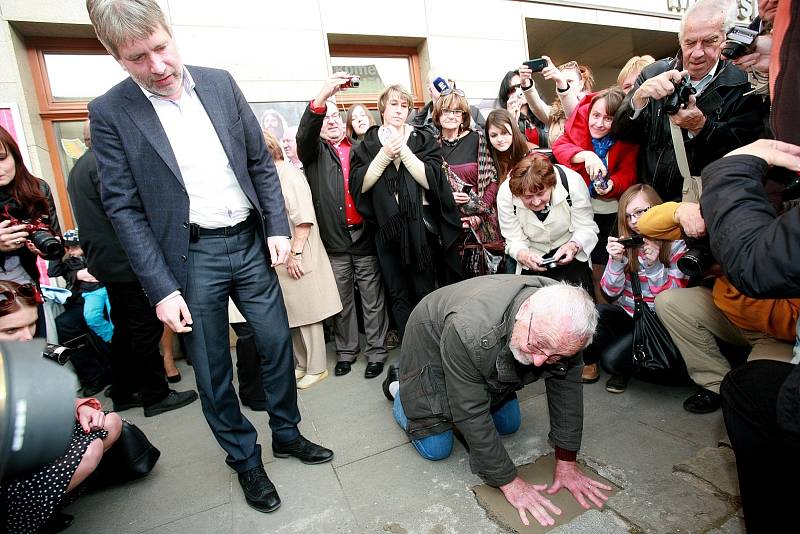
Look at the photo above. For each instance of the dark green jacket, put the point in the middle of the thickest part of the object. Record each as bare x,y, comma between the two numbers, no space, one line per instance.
456,365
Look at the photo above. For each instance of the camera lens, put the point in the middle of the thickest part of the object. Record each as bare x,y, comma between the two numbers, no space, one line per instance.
48,244
696,261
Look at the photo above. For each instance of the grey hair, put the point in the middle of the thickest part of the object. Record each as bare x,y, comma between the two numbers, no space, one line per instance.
565,312
712,8
118,22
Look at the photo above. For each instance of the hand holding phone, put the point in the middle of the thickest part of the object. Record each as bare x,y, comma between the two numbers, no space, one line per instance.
466,189
536,65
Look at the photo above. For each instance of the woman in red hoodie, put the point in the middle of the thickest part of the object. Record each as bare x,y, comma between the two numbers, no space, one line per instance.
607,166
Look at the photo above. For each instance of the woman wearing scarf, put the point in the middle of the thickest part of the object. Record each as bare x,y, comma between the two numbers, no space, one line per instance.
607,166
396,182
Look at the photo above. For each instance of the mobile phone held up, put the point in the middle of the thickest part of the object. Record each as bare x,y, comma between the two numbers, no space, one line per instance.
536,65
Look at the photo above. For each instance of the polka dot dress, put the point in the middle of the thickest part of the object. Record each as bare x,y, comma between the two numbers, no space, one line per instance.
30,500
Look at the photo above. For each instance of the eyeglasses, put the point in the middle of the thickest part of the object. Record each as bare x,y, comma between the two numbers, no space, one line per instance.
636,214
450,91
454,112
332,118
27,291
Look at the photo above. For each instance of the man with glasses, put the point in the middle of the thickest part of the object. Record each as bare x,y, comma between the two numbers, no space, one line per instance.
349,240
719,117
469,347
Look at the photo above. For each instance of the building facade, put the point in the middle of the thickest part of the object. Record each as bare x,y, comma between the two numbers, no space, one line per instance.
280,52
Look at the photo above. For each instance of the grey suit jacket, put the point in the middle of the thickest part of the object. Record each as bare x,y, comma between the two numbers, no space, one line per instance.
141,185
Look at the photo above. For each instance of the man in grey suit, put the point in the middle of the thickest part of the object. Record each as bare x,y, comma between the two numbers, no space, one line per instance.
195,200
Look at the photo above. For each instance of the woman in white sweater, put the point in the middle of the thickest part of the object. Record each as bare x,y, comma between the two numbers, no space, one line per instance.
547,221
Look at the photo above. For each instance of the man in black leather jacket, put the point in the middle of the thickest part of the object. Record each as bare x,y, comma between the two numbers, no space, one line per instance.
718,119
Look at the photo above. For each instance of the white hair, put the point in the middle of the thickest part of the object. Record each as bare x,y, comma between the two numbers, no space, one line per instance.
564,313
711,9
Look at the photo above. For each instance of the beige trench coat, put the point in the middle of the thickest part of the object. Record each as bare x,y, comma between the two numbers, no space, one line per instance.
314,297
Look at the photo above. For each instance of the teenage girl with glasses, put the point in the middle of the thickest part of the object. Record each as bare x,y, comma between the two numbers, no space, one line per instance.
655,263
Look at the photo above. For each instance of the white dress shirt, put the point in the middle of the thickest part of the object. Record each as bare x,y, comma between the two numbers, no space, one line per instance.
216,199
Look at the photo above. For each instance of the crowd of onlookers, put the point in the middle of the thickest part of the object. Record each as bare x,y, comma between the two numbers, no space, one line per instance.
599,188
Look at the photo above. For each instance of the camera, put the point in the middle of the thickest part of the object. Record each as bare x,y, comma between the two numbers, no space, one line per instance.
466,189
57,353
697,260
536,65
600,181
549,261
739,39
634,241
441,84
353,81
40,234
680,97
37,408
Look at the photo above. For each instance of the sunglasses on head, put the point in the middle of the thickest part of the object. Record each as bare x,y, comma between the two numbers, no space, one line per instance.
569,65
450,91
27,291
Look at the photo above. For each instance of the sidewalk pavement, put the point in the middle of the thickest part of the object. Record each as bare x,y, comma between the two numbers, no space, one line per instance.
675,474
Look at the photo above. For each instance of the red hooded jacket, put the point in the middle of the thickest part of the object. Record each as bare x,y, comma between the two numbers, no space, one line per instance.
576,138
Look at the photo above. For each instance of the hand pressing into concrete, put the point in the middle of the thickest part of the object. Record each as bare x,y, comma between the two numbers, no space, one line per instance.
568,475
527,499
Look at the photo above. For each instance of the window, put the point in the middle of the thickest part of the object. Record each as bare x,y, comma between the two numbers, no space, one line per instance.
67,74
378,67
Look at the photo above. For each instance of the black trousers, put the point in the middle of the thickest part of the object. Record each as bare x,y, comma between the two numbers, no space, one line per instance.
406,285
613,341
248,366
92,366
766,454
136,363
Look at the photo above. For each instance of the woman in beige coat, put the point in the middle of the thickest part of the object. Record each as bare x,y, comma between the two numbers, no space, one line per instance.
307,282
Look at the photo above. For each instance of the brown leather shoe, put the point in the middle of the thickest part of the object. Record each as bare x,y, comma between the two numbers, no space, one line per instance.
590,374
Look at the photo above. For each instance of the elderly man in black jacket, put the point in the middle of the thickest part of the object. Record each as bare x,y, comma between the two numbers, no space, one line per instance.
719,118
349,240
469,347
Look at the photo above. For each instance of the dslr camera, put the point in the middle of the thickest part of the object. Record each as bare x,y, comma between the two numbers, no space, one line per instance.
354,81
739,40
40,234
680,97
697,260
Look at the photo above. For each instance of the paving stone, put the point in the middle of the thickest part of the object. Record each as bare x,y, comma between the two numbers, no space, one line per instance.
211,521
669,505
312,501
734,525
716,466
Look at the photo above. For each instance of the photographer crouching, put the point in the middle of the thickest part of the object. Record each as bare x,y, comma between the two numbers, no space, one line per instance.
32,501
28,222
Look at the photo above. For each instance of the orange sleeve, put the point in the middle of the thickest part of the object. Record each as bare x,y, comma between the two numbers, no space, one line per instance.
659,222
776,317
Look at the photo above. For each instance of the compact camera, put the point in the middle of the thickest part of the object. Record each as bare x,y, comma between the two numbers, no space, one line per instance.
536,65
680,97
739,39
549,261
58,353
40,234
353,81
634,241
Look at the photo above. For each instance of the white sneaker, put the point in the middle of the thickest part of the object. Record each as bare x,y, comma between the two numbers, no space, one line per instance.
309,380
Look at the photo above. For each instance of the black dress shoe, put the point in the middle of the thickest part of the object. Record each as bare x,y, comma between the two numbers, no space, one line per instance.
93,388
172,401
259,492
342,368
704,401
392,375
58,522
134,401
373,369
304,450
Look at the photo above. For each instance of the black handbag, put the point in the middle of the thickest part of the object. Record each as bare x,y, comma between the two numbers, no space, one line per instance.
131,457
654,353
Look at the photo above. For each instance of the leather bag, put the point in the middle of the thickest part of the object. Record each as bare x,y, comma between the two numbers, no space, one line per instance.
654,352
131,457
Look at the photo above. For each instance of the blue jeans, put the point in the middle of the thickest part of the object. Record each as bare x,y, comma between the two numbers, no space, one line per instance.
97,313
507,419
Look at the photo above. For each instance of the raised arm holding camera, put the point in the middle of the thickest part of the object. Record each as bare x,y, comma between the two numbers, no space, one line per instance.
719,117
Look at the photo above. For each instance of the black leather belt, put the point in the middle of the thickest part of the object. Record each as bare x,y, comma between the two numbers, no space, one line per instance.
354,227
196,231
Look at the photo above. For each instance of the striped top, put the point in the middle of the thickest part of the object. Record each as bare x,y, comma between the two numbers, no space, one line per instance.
654,279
